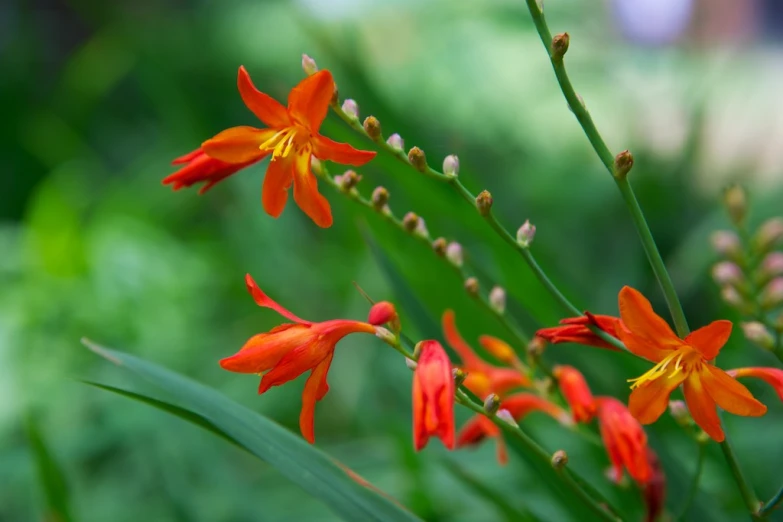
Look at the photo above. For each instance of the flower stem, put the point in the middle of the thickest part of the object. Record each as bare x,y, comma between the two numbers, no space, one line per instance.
695,484
773,503
607,158
751,501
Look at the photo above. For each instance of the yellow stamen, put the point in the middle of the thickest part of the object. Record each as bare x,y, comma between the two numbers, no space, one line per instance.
660,369
281,143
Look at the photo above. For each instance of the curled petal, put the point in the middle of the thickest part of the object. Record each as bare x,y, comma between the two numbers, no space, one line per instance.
278,179
498,348
326,149
306,192
650,400
263,351
302,358
772,376
433,397
456,341
314,390
577,330
309,101
476,430
238,144
730,394
624,439
576,392
502,380
639,317
710,339
702,407
521,404
200,168
265,301
266,108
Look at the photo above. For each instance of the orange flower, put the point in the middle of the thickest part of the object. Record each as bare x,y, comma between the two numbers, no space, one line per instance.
576,392
433,396
680,361
518,406
624,439
576,330
291,137
289,350
200,167
483,378
772,376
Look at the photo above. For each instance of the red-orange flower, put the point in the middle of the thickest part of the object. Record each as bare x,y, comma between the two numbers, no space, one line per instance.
519,405
289,350
772,376
680,361
483,378
199,167
624,439
292,137
576,392
576,330
433,396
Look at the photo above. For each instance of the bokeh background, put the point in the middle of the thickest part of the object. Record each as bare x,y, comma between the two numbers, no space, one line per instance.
98,97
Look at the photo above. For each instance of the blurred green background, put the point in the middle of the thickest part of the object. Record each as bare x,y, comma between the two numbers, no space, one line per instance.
98,97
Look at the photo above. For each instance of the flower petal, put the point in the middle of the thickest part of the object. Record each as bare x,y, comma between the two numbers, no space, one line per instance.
266,108
237,144
326,149
639,317
650,400
772,376
710,339
302,358
198,168
306,192
263,351
730,394
309,101
278,179
641,346
457,342
433,397
265,301
520,405
702,407
314,390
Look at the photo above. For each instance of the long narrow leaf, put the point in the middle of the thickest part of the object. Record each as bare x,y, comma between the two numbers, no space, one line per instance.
50,475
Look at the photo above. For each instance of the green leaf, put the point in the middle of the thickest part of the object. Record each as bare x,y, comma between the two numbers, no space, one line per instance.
319,475
50,475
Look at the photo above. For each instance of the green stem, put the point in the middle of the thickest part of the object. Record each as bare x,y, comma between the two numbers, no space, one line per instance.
695,484
748,495
773,503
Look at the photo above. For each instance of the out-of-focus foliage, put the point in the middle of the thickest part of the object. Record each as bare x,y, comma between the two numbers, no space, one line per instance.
97,98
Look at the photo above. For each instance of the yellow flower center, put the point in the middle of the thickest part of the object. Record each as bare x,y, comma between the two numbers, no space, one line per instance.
685,359
285,140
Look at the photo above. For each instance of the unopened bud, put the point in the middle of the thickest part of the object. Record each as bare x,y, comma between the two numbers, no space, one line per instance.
411,364
372,127
505,415
418,159
560,46
421,229
726,243
772,265
680,413
439,246
380,196
472,286
417,350
498,349
772,295
454,253
623,163
451,166
758,334
497,299
727,273
308,65
385,335
736,201
732,296
348,180
526,233
484,202
492,404
382,313
459,376
315,166
559,459
351,109
395,141
410,221
536,347
769,234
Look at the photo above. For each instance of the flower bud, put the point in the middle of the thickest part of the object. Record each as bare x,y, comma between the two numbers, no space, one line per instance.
559,459
459,376
492,404
526,233
421,229
536,347
727,273
439,246
679,411
772,295
380,196
410,221
418,159
769,234
411,364
351,109
498,349
382,313
497,299
559,46
726,243
772,265
454,253
507,417
736,201
758,334
372,127
623,163
308,65
348,180
315,166
385,335
472,286
395,141
484,202
732,296
451,166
